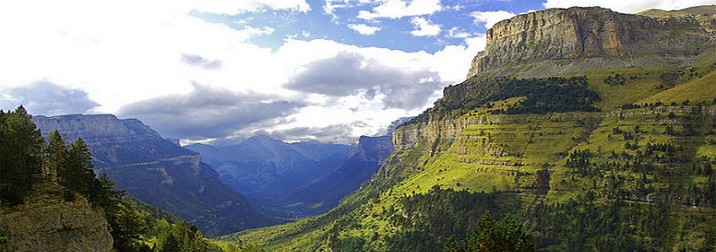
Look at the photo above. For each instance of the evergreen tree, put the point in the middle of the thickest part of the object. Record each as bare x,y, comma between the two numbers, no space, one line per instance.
77,175
503,235
20,155
56,155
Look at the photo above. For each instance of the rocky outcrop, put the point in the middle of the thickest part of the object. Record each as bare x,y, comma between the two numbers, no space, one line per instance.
159,172
585,33
55,226
375,149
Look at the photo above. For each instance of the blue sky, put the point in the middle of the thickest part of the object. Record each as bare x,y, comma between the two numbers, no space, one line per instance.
455,20
221,70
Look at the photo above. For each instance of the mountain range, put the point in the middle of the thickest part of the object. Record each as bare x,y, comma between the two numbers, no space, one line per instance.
296,180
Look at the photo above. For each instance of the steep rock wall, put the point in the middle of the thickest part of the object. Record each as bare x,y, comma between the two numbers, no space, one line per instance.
576,33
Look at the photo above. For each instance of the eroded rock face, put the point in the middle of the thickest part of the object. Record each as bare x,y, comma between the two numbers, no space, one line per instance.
575,33
56,226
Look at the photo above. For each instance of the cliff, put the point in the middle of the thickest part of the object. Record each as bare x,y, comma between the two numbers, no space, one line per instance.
158,172
603,37
49,224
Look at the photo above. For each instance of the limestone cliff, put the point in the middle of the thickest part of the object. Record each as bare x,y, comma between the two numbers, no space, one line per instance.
55,225
603,37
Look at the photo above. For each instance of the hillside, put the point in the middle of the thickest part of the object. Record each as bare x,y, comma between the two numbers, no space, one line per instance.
159,172
295,180
610,147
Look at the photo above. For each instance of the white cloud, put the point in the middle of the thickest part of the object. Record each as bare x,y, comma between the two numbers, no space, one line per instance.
424,27
490,18
632,6
133,51
364,29
457,32
399,8
233,7
453,62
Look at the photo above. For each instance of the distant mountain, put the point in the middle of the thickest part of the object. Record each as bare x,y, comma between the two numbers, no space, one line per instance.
158,172
296,179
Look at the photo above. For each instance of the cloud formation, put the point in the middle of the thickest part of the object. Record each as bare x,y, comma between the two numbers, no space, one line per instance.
209,112
399,8
337,133
349,74
364,29
233,7
199,61
144,66
45,98
424,27
490,18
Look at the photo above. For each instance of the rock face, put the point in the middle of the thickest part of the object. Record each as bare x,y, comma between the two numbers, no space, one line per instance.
56,226
158,172
578,33
296,179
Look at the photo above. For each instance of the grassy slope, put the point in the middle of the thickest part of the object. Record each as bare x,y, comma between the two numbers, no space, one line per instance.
697,90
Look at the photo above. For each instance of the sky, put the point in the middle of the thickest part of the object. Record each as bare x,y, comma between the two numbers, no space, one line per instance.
217,71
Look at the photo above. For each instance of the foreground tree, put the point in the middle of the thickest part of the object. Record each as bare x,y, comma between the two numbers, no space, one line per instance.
21,150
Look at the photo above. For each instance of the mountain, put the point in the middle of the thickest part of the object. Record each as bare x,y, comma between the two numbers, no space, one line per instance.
558,41
595,129
295,180
158,172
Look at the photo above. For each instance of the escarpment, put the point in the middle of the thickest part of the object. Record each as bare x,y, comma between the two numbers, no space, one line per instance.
592,33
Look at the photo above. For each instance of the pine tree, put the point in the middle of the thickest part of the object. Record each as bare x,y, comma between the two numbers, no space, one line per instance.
77,174
56,155
21,151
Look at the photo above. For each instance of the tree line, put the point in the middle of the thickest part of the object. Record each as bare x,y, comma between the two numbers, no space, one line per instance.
26,159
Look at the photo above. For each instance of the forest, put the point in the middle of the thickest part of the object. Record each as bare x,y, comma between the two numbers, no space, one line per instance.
540,96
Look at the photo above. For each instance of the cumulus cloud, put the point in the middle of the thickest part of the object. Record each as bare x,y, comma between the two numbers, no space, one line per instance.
490,18
46,98
632,6
399,8
199,61
338,133
348,74
233,7
457,32
364,29
209,112
424,28
133,66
